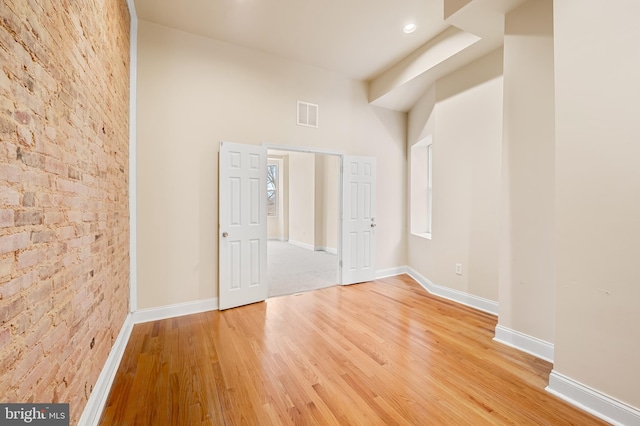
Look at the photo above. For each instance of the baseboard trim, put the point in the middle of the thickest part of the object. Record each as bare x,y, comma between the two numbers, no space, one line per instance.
177,310
391,272
467,299
302,245
595,402
326,249
98,398
524,343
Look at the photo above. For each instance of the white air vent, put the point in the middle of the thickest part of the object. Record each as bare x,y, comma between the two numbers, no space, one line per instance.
307,114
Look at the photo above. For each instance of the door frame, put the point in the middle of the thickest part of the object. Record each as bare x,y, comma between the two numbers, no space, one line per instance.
340,155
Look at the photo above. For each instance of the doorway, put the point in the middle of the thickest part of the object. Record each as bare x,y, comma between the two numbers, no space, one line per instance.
242,226
303,191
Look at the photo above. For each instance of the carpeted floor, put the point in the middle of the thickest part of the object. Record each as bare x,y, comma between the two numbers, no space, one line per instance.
292,269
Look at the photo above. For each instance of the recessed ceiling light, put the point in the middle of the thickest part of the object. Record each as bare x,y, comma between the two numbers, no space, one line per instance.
409,28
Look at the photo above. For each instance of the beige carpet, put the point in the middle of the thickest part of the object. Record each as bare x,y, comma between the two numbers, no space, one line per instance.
292,269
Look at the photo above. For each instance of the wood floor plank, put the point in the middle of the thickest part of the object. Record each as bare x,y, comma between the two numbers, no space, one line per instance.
379,353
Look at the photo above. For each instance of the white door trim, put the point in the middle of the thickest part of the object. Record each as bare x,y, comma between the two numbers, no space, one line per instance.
302,149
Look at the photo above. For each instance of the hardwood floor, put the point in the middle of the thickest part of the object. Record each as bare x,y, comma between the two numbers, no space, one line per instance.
385,352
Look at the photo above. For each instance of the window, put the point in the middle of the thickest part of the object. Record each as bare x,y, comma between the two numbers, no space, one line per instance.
272,190
422,188
429,187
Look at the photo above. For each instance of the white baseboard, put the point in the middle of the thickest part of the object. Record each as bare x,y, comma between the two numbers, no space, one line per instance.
302,245
475,302
327,249
391,272
308,246
588,399
98,398
524,343
177,310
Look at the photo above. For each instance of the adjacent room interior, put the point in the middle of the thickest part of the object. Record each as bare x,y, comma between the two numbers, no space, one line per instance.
302,210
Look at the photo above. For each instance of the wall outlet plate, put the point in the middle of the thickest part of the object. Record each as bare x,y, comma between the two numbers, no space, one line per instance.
459,268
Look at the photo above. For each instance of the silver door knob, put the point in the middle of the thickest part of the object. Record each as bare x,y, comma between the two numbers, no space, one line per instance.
225,235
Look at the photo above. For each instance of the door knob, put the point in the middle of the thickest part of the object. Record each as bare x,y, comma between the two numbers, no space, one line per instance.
373,225
225,235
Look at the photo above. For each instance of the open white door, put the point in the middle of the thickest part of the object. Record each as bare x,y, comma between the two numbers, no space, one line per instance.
242,229
358,234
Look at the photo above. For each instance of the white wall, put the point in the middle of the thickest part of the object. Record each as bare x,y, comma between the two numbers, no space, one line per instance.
597,194
464,117
302,210
527,260
194,92
327,170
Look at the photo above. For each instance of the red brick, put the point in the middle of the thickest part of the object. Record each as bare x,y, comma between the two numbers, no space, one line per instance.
35,375
59,168
55,166
35,180
14,286
39,310
13,242
29,258
5,337
42,236
10,308
6,267
53,218
57,334
7,126
72,187
66,232
43,326
31,159
47,382
29,199
89,216
40,292
9,196
51,132
74,216
25,136
6,218
4,86
44,200
28,217
20,323
22,117
9,172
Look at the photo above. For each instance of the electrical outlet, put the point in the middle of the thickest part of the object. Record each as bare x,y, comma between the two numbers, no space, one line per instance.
459,268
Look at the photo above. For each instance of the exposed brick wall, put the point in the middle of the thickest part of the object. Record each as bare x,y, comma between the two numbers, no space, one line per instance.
64,213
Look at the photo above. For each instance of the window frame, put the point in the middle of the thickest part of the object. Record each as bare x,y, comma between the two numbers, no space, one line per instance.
275,181
421,184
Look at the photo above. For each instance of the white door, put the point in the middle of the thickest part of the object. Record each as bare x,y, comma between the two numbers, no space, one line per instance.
358,234
242,232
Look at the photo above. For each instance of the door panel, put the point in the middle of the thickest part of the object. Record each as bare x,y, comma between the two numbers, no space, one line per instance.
242,235
358,224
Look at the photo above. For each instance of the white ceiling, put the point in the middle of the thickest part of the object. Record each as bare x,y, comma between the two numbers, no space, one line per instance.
358,38
362,39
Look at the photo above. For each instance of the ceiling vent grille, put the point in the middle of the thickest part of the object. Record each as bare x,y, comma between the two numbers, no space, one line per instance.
307,114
